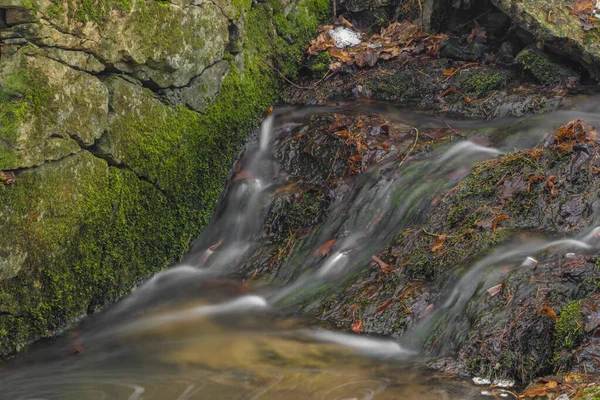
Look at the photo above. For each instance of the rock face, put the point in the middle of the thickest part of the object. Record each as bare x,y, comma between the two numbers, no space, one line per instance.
120,120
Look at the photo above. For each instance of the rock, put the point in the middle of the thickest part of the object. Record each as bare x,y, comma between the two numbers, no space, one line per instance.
542,67
116,168
52,108
564,35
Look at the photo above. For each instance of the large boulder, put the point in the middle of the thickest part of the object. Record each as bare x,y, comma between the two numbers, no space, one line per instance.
119,121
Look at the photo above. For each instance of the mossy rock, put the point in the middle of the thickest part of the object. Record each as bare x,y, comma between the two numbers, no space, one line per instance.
480,83
109,191
542,67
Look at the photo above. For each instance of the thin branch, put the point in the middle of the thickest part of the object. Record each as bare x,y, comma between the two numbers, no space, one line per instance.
412,148
449,127
327,75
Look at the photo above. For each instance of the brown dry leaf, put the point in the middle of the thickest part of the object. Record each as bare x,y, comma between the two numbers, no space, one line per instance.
325,248
549,312
534,392
583,8
357,326
268,113
383,306
439,243
385,267
7,178
343,21
468,232
343,133
550,184
341,55
477,35
551,385
533,179
497,220
495,290
449,71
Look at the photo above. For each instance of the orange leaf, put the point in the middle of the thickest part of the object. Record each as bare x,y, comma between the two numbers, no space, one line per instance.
449,72
531,393
468,99
549,312
384,266
357,326
439,243
532,179
497,220
339,54
495,290
325,248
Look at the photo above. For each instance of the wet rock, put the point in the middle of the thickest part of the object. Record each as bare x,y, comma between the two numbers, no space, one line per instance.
542,67
564,35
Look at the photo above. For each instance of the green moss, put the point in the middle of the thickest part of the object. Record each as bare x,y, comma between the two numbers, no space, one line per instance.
481,83
319,64
541,67
23,97
568,330
296,30
87,231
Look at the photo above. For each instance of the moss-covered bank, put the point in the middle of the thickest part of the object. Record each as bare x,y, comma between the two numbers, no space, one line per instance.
112,180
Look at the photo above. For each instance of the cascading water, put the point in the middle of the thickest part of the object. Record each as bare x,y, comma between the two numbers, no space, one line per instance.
189,333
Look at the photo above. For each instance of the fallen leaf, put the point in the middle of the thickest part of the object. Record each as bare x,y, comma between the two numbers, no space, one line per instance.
449,71
549,312
439,243
531,393
325,248
357,326
7,177
383,306
343,21
497,220
550,184
477,35
533,179
495,290
386,268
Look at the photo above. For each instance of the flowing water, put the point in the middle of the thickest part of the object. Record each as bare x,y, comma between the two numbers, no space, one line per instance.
192,332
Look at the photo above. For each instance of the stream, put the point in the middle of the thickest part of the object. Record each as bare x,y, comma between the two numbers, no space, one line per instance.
195,331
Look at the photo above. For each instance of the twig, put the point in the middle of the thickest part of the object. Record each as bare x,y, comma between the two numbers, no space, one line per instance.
412,148
317,83
449,127
421,14
459,69
474,19
334,9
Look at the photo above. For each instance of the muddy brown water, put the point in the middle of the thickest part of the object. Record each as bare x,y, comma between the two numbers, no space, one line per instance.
192,332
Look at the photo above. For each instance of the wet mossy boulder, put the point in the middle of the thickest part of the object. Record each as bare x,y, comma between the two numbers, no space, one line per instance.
552,23
119,122
543,68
